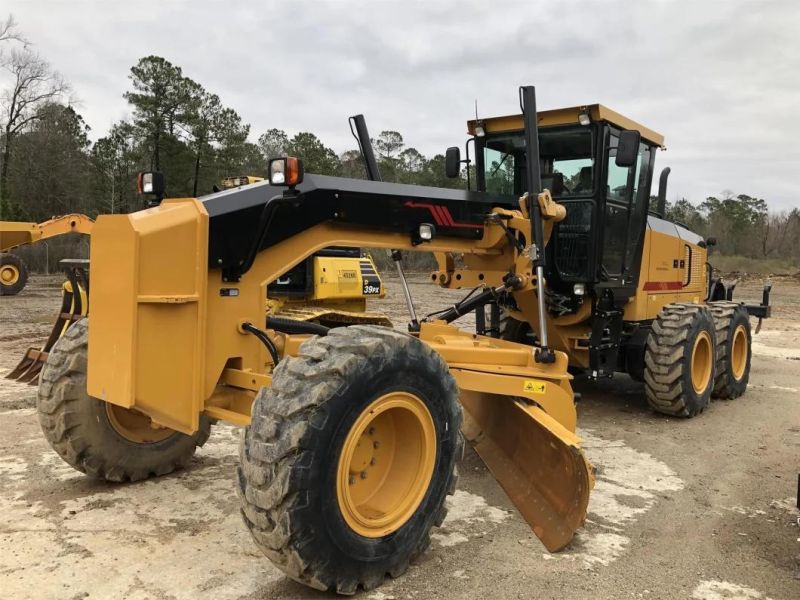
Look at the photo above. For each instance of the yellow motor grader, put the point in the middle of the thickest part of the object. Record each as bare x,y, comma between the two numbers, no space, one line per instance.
352,435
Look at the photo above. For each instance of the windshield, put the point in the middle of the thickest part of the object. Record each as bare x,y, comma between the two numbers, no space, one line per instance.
566,161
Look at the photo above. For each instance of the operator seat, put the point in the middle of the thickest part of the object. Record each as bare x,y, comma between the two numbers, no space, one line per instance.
584,181
554,182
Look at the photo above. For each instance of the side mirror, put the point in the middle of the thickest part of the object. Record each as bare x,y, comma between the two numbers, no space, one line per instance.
628,148
452,162
712,241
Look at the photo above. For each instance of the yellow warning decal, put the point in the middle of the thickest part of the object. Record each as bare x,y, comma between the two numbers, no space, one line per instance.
534,387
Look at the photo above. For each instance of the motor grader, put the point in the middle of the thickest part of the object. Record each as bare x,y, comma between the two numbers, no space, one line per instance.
627,289
352,435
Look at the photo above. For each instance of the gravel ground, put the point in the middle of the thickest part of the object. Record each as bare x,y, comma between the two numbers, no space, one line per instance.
700,508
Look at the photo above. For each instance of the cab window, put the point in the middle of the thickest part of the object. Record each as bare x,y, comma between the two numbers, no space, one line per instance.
499,163
566,162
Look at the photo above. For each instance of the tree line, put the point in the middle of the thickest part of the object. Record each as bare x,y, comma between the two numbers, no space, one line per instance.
49,164
742,225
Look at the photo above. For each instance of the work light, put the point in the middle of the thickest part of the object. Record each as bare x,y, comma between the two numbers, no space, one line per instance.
286,171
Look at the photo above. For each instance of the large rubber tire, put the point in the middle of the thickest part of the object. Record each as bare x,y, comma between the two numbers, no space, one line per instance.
514,330
79,429
290,453
17,270
733,349
668,373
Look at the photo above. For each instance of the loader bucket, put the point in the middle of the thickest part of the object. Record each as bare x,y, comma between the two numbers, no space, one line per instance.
74,306
535,459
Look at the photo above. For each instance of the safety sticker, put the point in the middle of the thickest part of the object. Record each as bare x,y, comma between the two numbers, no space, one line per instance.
534,387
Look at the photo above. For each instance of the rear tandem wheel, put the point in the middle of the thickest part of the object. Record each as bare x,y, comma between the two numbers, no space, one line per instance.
733,349
680,360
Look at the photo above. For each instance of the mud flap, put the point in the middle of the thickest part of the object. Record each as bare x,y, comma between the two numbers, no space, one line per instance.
535,459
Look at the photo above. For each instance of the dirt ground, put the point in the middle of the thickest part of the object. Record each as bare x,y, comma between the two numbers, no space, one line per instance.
700,508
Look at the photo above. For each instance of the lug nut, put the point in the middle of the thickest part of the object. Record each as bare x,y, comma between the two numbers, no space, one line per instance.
371,430
372,462
376,445
351,480
363,474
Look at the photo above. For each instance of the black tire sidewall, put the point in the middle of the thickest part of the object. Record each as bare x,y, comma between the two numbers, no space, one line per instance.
116,449
401,372
697,402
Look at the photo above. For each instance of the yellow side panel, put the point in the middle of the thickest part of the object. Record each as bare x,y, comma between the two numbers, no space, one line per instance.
673,270
146,333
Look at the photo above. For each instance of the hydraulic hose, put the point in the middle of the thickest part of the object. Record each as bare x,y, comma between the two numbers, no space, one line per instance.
264,339
292,326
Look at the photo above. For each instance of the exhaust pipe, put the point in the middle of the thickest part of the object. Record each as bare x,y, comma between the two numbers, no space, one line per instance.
365,146
662,192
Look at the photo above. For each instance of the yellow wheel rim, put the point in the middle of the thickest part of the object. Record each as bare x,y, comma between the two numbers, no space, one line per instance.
386,464
134,426
739,352
9,274
702,362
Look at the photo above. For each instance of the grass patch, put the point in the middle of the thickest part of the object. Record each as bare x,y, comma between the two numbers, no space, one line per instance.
744,265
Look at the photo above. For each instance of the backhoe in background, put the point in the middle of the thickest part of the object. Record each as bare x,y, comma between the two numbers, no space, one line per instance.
352,434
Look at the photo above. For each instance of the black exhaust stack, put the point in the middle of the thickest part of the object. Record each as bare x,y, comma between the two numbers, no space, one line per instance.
365,146
661,207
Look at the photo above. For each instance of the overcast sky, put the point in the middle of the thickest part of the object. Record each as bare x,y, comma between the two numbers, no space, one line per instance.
720,79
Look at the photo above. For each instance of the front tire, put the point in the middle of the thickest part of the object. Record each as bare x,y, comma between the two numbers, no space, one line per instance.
97,438
680,357
349,456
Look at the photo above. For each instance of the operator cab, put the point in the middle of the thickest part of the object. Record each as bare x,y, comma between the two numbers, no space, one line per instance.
599,244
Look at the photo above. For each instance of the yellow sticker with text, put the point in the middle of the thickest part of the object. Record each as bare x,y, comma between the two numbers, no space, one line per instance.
534,387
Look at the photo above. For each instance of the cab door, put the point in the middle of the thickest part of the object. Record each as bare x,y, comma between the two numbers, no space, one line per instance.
626,201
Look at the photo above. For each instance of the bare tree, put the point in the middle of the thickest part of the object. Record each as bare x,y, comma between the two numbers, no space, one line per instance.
34,84
8,31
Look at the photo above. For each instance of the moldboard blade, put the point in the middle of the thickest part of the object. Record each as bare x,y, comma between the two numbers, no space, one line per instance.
536,461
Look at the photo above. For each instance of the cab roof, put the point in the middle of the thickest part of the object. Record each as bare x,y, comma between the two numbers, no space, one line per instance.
567,116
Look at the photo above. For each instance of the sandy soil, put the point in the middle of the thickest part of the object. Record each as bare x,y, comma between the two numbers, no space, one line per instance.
702,508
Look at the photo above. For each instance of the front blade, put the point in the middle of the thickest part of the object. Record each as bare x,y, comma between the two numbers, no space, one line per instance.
535,459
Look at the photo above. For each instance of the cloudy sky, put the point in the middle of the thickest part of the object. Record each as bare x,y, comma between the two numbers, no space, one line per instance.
720,79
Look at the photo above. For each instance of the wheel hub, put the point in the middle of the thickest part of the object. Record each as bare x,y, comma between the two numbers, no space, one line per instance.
386,464
739,353
135,426
702,362
9,274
